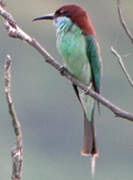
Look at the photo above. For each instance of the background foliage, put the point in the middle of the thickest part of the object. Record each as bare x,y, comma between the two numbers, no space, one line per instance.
47,108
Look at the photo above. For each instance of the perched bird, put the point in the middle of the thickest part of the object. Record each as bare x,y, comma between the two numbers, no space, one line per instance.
79,48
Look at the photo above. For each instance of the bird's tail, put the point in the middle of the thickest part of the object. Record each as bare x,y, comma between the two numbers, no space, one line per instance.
89,147
89,140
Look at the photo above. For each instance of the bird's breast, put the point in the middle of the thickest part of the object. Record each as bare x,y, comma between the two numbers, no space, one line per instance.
72,47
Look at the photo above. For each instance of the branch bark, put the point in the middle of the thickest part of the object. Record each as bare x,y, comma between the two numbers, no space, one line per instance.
16,32
17,152
123,23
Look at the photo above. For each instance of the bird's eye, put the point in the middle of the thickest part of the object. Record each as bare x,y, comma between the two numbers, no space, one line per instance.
64,13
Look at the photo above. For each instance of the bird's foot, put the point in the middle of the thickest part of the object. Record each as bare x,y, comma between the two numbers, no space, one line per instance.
89,87
62,70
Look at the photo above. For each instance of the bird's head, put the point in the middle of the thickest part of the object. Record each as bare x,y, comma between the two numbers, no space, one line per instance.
76,14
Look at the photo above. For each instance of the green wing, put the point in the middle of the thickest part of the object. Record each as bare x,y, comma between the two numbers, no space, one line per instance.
93,54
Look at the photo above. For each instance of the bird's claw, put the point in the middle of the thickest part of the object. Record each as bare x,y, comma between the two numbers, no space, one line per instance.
62,70
89,87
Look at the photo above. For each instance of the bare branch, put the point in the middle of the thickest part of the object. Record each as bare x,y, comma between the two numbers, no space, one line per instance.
17,152
120,61
20,34
7,15
123,23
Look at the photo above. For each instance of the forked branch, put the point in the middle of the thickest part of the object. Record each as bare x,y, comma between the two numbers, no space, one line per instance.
120,61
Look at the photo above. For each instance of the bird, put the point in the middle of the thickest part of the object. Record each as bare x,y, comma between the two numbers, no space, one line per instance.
80,51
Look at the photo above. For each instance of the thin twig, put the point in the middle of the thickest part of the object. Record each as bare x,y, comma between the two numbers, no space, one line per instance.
120,61
123,23
20,34
17,152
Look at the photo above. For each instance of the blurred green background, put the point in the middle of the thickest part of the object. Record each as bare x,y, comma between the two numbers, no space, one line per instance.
50,115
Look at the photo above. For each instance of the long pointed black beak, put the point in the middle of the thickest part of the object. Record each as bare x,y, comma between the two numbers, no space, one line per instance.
49,17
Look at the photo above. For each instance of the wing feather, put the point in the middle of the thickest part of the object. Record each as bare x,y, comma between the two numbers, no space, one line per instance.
93,53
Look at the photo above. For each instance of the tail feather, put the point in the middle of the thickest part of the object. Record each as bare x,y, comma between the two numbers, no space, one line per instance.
89,147
89,140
